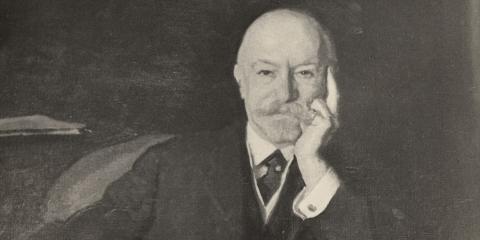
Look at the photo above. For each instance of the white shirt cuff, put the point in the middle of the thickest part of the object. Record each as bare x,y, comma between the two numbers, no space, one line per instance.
312,204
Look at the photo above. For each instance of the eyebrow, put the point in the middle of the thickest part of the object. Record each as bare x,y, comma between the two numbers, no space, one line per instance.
310,61
264,61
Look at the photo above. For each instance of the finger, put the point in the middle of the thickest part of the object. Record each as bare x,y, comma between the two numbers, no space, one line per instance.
323,115
320,108
333,96
303,125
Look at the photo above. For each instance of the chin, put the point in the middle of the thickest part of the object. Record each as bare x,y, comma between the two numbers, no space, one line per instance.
280,131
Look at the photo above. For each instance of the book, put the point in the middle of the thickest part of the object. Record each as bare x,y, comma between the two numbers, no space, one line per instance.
38,125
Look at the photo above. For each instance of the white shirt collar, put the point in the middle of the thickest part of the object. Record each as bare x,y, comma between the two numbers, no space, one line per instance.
261,148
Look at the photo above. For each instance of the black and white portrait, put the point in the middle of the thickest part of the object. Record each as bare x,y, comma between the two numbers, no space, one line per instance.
225,119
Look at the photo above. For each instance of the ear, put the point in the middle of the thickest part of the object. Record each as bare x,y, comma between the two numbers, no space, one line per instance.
239,76
333,96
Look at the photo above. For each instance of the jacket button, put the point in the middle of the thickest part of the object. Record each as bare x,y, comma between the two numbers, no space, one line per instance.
398,214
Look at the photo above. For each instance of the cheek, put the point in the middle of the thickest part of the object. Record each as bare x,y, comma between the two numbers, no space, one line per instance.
308,92
258,95
260,99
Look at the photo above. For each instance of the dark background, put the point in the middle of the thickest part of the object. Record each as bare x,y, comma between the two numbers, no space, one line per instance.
131,67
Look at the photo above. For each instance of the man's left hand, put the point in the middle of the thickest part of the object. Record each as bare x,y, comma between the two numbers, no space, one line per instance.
315,135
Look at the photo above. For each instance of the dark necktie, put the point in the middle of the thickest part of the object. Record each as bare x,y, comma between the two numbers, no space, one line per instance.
269,183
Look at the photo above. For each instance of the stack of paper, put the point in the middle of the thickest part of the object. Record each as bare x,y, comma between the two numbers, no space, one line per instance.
37,125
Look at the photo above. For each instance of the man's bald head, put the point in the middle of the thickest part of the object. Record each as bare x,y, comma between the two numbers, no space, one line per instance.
281,69
284,27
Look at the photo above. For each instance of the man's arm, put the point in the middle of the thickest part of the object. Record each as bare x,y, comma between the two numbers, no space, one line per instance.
125,212
350,216
309,204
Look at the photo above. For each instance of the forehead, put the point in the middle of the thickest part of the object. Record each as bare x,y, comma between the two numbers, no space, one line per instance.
282,38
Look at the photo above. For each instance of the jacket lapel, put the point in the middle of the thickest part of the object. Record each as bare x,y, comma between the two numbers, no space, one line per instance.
231,186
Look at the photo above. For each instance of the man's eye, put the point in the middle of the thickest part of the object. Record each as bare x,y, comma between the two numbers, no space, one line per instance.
306,74
265,73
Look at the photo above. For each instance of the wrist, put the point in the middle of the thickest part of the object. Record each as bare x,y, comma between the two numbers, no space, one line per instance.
314,169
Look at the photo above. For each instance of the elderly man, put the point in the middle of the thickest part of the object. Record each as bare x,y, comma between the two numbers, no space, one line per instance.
263,178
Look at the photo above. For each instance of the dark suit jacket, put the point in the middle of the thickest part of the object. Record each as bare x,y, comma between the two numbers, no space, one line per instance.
200,187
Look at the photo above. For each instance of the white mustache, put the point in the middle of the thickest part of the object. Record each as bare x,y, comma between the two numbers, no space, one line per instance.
293,109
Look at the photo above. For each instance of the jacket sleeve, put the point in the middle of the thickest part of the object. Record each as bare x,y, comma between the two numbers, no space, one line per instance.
125,211
349,216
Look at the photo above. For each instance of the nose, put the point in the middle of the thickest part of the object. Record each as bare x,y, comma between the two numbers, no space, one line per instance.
288,88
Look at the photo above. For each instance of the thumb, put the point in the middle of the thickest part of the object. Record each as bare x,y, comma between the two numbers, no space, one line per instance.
332,90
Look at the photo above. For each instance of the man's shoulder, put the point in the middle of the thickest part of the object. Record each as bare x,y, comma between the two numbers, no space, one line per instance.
199,143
